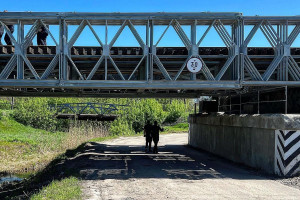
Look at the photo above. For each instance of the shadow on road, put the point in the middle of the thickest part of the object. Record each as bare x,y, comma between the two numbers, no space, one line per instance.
92,161
101,161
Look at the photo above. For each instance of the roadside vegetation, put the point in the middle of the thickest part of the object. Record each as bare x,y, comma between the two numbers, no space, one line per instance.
31,138
177,128
66,189
26,149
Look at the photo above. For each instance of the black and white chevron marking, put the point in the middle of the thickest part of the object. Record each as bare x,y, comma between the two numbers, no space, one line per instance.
287,152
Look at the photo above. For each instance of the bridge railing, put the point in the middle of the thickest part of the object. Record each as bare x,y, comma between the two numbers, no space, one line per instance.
88,108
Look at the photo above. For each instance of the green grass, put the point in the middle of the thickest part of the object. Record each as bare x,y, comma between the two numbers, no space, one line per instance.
23,148
26,149
66,189
177,128
12,131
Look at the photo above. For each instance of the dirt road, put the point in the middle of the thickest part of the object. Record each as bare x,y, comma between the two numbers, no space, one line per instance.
119,169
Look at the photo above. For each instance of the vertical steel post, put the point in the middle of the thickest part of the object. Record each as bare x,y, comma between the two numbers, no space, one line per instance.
230,105
63,41
231,52
194,43
240,60
105,58
105,69
219,103
12,103
286,100
240,104
20,61
151,50
147,57
258,102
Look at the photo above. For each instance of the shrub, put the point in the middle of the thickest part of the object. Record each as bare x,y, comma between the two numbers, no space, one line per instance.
35,112
175,110
120,127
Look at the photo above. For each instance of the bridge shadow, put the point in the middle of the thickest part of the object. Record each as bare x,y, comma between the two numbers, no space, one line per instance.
101,161
98,161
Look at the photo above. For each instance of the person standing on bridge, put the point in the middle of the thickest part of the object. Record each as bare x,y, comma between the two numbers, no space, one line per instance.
155,135
6,37
11,29
1,33
147,134
42,36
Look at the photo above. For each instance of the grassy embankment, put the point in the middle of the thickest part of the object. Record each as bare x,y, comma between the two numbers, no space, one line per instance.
25,149
177,128
65,189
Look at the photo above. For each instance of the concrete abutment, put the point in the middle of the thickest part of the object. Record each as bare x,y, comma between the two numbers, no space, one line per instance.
267,142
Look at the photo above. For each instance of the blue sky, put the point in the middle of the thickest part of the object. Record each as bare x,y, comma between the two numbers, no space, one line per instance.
247,7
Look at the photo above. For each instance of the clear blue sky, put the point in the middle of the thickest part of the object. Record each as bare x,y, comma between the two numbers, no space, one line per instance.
247,7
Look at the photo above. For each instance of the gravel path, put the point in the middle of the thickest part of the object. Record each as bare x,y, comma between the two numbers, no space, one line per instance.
119,169
293,182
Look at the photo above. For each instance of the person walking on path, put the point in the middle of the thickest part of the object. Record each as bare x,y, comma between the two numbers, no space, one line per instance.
148,135
155,135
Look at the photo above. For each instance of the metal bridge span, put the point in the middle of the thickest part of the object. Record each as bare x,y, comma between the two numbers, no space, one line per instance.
148,70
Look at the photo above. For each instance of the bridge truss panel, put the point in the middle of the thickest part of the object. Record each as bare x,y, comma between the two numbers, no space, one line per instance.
148,68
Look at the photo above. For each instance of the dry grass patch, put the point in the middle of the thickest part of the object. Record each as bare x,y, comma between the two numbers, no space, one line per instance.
25,149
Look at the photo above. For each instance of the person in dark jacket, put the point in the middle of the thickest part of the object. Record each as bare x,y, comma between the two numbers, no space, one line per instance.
42,36
155,135
1,33
147,134
6,37
1,30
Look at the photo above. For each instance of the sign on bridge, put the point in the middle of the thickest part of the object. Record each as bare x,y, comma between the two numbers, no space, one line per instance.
194,65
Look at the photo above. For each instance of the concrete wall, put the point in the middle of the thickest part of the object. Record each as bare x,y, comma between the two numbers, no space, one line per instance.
247,139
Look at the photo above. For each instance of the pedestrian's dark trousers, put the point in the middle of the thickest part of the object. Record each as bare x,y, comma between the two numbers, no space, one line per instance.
42,42
148,142
155,150
1,33
7,39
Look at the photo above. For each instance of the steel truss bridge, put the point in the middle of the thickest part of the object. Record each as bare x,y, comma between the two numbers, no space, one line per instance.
91,111
147,70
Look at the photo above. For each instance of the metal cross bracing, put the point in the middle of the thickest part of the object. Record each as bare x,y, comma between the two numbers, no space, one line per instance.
148,70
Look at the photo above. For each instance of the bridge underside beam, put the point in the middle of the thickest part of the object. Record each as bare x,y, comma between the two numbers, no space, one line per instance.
93,117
